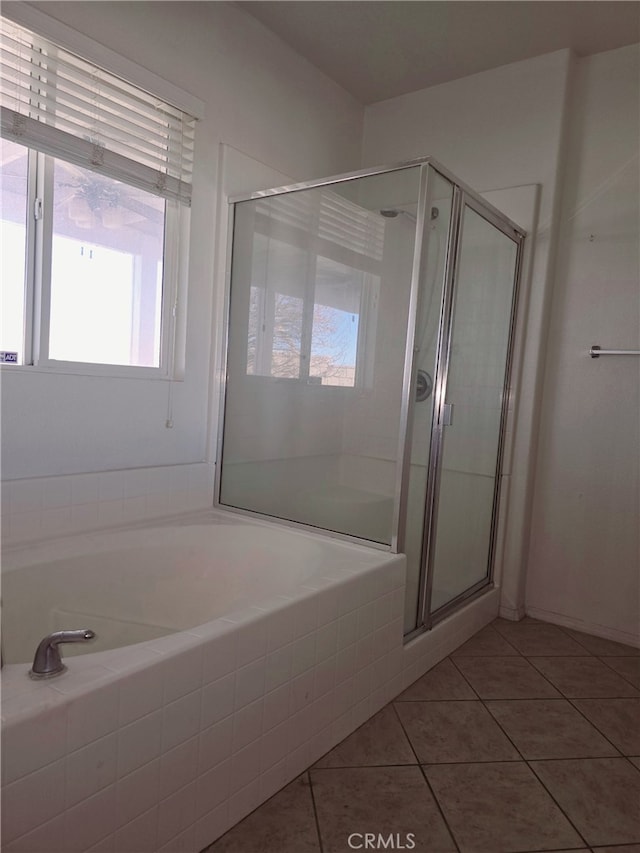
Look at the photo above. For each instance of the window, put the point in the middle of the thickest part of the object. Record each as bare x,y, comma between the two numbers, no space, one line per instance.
95,192
315,281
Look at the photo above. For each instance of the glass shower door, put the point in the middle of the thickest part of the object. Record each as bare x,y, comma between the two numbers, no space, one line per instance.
460,548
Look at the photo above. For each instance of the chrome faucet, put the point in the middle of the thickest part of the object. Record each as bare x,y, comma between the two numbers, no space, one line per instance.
47,661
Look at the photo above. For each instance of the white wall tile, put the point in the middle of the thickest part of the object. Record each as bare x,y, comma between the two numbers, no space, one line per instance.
249,683
220,655
182,674
181,720
345,663
347,631
139,743
90,769
278,667
137,792
273,746
252,641
217,700
110,513
176,813
56,492
243,766
215,744
32,800
92,716
178,767
34,742
273,779
141,693
247,724
211,825
91,820
281,627
302,690
325,675
111,485
49,836
326,641
276,706
184,842
244,801
140,834
56,522
304,654
26,495
84,517
213,789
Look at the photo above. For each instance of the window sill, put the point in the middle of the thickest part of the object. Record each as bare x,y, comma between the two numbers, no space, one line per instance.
98,370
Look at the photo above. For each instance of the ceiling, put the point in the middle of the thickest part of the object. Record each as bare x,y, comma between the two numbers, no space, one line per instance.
378,49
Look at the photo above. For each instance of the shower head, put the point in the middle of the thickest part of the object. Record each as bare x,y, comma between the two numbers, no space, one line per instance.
392,213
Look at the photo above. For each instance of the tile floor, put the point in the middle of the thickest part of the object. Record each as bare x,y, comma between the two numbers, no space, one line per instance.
527,738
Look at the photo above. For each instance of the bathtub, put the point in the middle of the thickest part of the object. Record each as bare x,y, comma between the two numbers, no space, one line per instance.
230,655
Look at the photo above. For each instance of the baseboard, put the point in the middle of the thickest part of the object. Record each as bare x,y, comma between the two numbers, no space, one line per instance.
594,628
515,614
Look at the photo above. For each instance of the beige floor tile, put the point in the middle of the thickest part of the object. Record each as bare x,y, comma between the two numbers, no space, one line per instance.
285,823
600,646
505,678
454,731
486,643
531,638
549,728
442,682
380,800
627,848
583,677
381,740
601,796
627,667
635,760
492,808
617,719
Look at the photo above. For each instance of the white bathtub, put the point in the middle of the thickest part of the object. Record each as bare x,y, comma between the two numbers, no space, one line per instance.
230,656
144,583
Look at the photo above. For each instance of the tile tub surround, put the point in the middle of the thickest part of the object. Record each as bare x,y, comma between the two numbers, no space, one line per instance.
166,744
41,507
471,774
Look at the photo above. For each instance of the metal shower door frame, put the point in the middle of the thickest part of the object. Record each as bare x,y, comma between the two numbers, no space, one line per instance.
462,198
463,195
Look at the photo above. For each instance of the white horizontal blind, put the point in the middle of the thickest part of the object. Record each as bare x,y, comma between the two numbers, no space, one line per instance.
60,104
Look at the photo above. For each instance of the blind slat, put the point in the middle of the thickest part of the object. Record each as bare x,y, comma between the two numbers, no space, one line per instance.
60,104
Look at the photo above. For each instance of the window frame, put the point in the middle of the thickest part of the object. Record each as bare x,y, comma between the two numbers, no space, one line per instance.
38,241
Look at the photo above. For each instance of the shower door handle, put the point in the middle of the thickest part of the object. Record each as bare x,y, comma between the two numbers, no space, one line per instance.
447,414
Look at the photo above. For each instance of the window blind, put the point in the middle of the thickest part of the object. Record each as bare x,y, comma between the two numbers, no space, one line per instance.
62,105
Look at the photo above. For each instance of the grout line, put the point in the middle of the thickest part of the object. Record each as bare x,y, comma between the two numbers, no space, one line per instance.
604,658
597,728
424,776
580,835
315,810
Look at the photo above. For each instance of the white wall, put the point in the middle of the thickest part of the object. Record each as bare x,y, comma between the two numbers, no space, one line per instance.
584,562
495,130
260,97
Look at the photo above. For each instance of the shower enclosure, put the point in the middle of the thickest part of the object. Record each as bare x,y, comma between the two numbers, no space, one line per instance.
370,321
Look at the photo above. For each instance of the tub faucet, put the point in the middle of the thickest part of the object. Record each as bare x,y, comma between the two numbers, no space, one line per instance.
47,661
